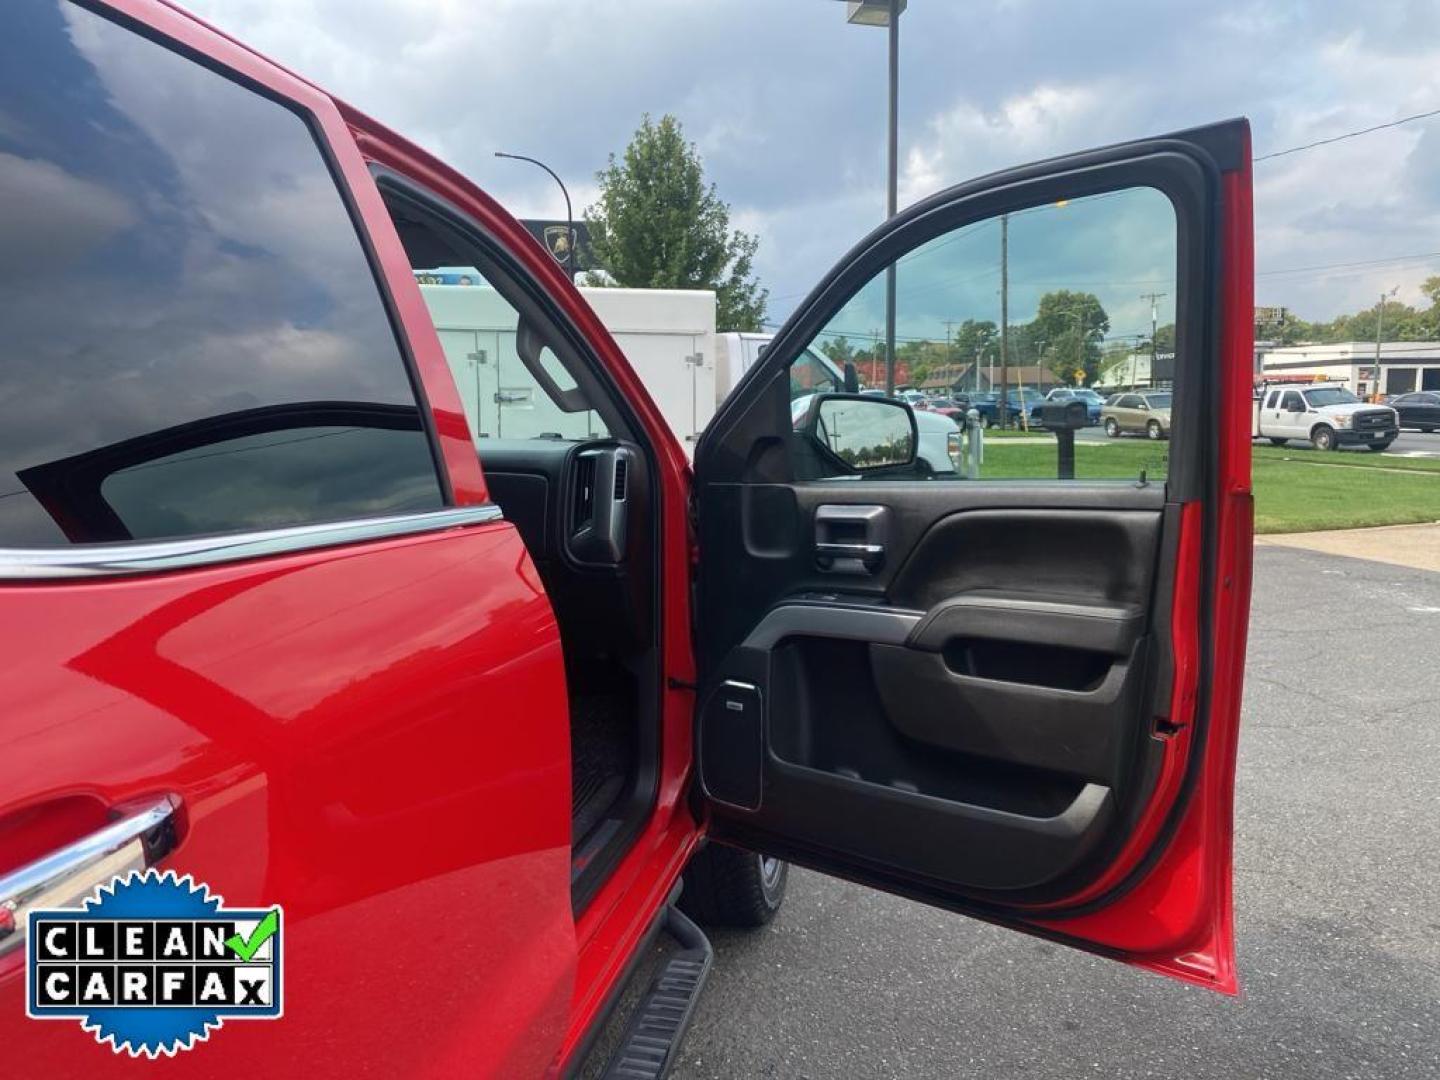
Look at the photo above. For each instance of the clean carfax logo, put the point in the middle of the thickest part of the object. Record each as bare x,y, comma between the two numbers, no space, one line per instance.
151,963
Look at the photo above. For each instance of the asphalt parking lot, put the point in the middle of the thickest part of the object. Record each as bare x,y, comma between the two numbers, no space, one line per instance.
1337,911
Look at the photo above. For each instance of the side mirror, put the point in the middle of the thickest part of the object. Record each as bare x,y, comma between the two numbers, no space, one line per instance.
852,378
861,433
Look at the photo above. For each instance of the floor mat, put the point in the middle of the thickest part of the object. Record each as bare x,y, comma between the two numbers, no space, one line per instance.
602,753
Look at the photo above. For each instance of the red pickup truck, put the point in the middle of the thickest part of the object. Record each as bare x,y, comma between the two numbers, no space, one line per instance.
472,718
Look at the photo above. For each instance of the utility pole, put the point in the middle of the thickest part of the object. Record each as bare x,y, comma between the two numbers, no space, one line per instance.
1379,322
1154,331
1003,411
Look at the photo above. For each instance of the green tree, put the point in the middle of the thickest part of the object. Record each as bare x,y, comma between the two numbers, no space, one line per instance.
657,225
839,350
1430,318
1400,322
972,338
1073,326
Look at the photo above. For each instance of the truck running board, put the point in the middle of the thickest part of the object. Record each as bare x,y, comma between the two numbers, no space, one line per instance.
658,1024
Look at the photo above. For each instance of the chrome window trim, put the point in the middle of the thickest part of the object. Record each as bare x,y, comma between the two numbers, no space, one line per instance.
184,553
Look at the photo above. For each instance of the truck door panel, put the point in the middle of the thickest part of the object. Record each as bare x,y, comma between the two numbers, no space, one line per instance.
998,694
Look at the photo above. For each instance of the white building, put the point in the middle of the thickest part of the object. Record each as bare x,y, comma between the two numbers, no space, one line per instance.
1404,365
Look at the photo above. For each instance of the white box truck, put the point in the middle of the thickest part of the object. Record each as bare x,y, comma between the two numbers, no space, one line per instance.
668,335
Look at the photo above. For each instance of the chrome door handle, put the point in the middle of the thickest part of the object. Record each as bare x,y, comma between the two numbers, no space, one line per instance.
67,875
850,551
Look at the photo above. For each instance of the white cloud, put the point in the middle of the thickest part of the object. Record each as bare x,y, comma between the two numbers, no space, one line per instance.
786,103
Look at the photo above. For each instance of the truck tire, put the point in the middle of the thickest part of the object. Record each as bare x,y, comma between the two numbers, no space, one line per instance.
727,886
984,422
1112,429
1278,442
1377,447
1322,437
1153,431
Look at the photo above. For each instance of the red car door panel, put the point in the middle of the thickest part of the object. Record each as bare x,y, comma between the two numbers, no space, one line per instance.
357,762
266,585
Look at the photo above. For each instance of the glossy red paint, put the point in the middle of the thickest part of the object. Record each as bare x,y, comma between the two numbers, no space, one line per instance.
1178,919
389,761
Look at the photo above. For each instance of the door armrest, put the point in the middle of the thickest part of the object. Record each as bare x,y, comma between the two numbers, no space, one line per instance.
1070,623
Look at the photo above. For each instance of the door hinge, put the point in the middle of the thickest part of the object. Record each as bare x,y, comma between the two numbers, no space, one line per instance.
680,684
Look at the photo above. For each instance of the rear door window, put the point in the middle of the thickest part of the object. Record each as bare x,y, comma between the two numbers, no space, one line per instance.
195,341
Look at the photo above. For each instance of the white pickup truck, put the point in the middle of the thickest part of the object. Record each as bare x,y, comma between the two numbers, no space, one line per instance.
1323,414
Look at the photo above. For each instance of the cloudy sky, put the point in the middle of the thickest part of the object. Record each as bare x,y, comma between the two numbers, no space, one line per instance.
786,103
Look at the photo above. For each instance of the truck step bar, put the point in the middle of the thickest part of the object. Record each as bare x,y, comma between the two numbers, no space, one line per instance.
658,1024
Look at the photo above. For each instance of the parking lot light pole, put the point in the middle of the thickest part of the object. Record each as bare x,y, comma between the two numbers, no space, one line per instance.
886,13
569,215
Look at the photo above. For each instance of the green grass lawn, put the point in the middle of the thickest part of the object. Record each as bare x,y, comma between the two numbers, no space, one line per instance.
1295,490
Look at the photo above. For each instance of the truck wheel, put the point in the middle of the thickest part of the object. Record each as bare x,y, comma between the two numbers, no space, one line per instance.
1278,442
727,886
1376,447
1322,438
1152,430
984,422
1112,429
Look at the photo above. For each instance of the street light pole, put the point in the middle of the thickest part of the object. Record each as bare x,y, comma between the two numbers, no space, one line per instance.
569,214
891,196
887,13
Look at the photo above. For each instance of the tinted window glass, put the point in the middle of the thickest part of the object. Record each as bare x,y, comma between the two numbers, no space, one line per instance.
193,338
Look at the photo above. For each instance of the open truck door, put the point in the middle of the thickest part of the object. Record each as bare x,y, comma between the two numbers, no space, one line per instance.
1016,697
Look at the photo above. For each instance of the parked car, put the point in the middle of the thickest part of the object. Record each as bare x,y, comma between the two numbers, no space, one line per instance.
987,404
956,407
471,710
1092,400
1419,411
1326,416
1144,412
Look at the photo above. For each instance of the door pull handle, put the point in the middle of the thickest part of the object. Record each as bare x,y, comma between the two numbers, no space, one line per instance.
65,876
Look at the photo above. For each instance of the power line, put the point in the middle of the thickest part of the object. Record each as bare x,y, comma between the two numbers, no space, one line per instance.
1349,135
1419,257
